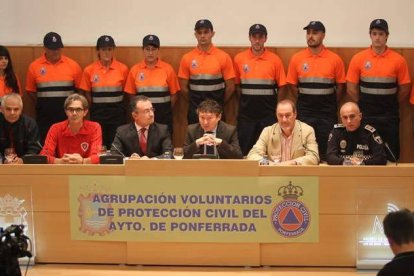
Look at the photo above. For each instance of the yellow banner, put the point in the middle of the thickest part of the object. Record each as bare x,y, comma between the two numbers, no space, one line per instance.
195,209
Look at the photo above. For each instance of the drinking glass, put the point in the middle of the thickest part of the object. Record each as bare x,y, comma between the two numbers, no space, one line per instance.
102,150
178,153
358,157
275,157
9,154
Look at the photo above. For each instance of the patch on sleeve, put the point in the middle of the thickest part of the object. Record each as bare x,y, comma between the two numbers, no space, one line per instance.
377,139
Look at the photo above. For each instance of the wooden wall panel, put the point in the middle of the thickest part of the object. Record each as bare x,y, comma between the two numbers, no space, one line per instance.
22,56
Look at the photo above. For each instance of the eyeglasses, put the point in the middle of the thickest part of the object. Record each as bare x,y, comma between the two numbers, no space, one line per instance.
73,110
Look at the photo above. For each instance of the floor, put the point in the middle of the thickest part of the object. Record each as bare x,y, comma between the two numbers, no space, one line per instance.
123,270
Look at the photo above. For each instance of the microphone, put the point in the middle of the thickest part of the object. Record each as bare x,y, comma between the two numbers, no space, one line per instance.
392,154
116,148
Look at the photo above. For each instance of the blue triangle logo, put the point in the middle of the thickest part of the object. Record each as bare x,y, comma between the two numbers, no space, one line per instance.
290,218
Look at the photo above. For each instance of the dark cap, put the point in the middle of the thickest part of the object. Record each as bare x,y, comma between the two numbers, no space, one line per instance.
315,25
151,40
379,24
203,23
257,29
105,41
52,41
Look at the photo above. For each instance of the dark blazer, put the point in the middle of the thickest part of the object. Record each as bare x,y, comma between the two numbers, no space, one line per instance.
25,135
158,140
229,148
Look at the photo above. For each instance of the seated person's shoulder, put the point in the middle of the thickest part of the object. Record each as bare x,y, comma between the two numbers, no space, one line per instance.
370,128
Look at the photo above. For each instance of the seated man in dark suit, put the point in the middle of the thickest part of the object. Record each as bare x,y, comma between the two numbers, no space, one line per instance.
17,131
210,135
142,138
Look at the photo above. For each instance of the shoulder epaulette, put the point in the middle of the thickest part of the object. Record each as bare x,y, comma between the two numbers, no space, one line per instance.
339,126
370,128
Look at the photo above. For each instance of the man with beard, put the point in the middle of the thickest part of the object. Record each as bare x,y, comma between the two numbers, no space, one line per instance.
260,78
289,141
317,77
205,72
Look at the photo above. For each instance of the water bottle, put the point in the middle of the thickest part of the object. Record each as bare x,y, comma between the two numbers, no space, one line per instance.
264,161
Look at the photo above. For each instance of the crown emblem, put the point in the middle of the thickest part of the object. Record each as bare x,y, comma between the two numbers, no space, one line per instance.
378,21
290,191
151,37
257,27
106,38
313,23
201,21
54,39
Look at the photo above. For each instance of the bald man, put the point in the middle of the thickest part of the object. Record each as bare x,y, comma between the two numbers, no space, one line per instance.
353,142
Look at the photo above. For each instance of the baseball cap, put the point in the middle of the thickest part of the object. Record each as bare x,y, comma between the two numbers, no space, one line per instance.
257,29
203,23
52,41
379,24
315,25
105,41
151,40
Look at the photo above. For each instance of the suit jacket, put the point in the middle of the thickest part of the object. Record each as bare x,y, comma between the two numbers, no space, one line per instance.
304,147
228,149
158,140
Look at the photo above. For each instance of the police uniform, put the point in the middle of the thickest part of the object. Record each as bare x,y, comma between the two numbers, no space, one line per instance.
342,144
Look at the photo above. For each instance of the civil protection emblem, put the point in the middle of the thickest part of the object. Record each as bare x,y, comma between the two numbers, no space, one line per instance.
368,65
95,78
246,68
90,221
141,76
194,64
42,71
290,217
305,67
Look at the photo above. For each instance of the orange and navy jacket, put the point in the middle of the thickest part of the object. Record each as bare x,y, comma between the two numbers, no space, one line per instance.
157,83
378,77
316,77
206,72
106,87
4,89
52,83
61,140
259,78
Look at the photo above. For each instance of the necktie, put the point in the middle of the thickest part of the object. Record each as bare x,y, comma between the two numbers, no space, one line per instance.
143,141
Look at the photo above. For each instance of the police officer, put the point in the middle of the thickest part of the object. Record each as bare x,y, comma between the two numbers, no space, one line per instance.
354,143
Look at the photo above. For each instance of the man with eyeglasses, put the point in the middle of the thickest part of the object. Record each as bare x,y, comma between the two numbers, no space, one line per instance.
350,137
206,72
75,140
287,142
155,79
143,138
